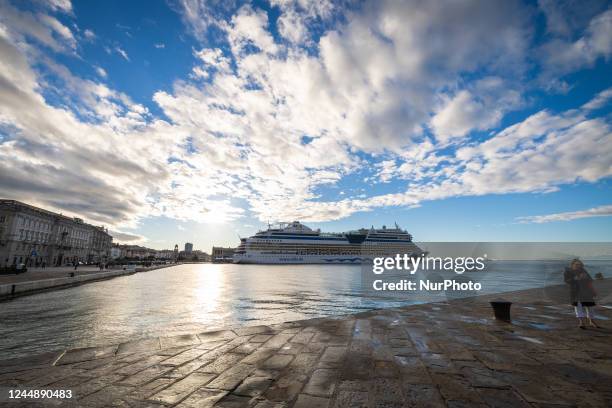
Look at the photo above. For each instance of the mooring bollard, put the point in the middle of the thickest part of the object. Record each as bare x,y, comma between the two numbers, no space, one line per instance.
501,309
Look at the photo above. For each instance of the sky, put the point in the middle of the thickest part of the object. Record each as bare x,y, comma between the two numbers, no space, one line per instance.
201,121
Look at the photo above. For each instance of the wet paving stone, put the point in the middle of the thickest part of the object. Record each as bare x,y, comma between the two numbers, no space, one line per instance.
277,362
178,341
139,345
308,401
250,330
253,386
85,354
230,378
184,357
139,365
419,395
180,389
202,398
321,383
146,375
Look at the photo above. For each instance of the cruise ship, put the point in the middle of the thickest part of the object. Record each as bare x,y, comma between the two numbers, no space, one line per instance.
295,243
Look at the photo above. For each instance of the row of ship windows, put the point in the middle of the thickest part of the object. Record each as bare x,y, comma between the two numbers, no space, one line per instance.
329,251
257,247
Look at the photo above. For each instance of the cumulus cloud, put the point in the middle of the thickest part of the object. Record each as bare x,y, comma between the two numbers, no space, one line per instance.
298,16
565,17
461,114
60,5
200,15
478,108
562,55
40,27
126,238
601,211
262,126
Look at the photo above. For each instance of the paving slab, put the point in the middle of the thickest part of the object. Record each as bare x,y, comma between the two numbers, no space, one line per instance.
182,388
86,354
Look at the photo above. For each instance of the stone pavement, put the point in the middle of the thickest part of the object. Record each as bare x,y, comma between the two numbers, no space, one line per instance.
34,274
449,354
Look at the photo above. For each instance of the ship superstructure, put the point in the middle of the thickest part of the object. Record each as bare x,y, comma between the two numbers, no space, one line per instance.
295,243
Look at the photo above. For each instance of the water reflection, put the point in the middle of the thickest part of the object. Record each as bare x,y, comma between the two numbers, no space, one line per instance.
196,298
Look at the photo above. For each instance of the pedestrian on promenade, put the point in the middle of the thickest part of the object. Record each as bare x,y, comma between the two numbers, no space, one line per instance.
582,293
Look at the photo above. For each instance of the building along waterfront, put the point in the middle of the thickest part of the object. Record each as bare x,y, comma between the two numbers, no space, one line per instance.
35,237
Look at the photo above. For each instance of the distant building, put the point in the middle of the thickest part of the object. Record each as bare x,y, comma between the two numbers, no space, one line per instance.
188,248
133,252
166,254
115,252
201,256
35,236
221,254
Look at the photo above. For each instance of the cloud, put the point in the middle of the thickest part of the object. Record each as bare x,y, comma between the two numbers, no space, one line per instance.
599,101
265,126
200,15
101,71
64,6
89,34
38,26
462,114
121,52
564,18
159,45
82,167
298,17
563,55
126,238
249,28
601,211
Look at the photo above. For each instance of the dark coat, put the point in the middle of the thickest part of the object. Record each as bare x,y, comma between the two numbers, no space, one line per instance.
581,286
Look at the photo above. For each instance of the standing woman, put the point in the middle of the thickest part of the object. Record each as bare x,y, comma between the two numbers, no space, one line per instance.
582,294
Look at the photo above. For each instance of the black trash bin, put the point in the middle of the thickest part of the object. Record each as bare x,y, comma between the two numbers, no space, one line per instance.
501,309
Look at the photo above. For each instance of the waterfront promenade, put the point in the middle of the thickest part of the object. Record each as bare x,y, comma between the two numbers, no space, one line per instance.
49,273
448,354
41,279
